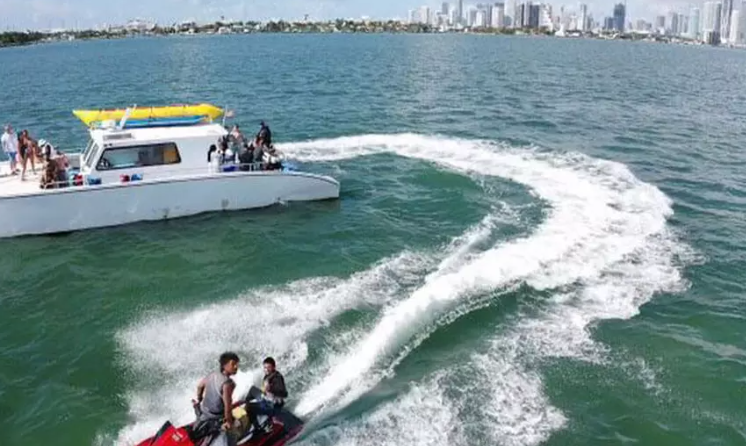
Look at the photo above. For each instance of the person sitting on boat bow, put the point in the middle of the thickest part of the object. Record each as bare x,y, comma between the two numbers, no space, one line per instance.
271,398
55,166
214,403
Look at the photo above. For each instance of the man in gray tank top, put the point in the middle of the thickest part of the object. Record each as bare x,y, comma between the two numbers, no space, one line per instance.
214,403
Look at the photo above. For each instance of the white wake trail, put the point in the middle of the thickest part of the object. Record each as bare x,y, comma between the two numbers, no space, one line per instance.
272,321
599,214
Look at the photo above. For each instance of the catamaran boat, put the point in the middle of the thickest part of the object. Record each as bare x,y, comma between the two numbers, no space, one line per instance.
158,165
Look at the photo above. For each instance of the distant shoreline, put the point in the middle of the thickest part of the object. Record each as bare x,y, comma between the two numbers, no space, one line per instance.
16,39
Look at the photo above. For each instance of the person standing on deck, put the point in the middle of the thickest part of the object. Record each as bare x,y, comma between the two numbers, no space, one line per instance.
26,148
265,135
9,142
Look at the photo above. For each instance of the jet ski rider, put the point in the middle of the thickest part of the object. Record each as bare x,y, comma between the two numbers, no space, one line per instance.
214,403
272,398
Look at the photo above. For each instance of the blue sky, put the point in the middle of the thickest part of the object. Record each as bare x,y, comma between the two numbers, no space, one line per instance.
43,14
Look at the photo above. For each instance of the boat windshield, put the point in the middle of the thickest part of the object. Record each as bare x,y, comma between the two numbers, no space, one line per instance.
89,153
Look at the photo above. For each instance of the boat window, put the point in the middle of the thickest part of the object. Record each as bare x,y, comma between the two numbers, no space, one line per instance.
139,156
88,153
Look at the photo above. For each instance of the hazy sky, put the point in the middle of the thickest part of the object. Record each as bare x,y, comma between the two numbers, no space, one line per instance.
43,14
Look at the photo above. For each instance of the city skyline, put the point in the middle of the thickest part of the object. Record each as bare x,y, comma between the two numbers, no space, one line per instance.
717,22
47,14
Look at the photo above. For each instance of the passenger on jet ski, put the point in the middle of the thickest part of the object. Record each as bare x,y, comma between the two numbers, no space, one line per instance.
214,403
273,395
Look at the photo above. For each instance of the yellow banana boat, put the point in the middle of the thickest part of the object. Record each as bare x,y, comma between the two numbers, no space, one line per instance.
90,117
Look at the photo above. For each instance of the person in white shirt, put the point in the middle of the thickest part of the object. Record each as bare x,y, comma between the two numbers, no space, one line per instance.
10,147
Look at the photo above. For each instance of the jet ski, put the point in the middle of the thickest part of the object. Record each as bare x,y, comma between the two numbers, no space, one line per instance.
276,430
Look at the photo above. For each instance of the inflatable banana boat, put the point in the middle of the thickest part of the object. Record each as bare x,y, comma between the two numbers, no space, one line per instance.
92,117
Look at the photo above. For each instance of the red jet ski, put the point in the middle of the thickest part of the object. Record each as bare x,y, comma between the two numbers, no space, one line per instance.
277,430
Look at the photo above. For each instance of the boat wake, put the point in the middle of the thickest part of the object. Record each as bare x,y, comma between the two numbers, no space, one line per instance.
602,251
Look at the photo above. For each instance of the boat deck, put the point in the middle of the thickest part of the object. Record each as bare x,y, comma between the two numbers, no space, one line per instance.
11,185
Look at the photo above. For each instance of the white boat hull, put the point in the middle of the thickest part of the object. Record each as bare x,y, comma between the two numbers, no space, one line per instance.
76,208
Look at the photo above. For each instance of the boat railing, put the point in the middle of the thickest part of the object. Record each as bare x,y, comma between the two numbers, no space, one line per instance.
78,179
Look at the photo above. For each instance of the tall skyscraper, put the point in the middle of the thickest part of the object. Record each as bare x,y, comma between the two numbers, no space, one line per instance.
620,15
510,14
734,23
609,24
460,12
518,16
424,15
660,23
545,16
583,18
693,31
725,13
444,8
683,25
413,16
712,12
673,23
534,15
453,17
488,15
498,15
737,34
480,19
472,17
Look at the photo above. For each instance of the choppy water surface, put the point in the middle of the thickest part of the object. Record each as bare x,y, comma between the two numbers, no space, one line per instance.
539,241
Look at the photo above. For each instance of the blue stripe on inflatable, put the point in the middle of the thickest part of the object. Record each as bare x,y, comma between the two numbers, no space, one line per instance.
163,122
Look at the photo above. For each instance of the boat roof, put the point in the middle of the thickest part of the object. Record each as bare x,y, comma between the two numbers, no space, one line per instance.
155,133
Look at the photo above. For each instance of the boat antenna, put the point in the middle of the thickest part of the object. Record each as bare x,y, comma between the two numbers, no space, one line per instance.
225,114
126,116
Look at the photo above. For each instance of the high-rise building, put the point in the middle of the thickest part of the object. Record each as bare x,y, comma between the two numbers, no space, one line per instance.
660,24
726,10
480,19
453,17
545,17
472,17
672,23
444,8
583,18
413,16
518,15
510,11
711,14
738,25
693,31
534,16
734,23
424,15
488,15
498,15
609,24
740,38
620,14
460,12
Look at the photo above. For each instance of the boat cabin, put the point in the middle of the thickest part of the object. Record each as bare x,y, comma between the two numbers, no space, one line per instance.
149,152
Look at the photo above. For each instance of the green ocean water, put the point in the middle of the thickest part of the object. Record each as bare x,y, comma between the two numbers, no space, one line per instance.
538,241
